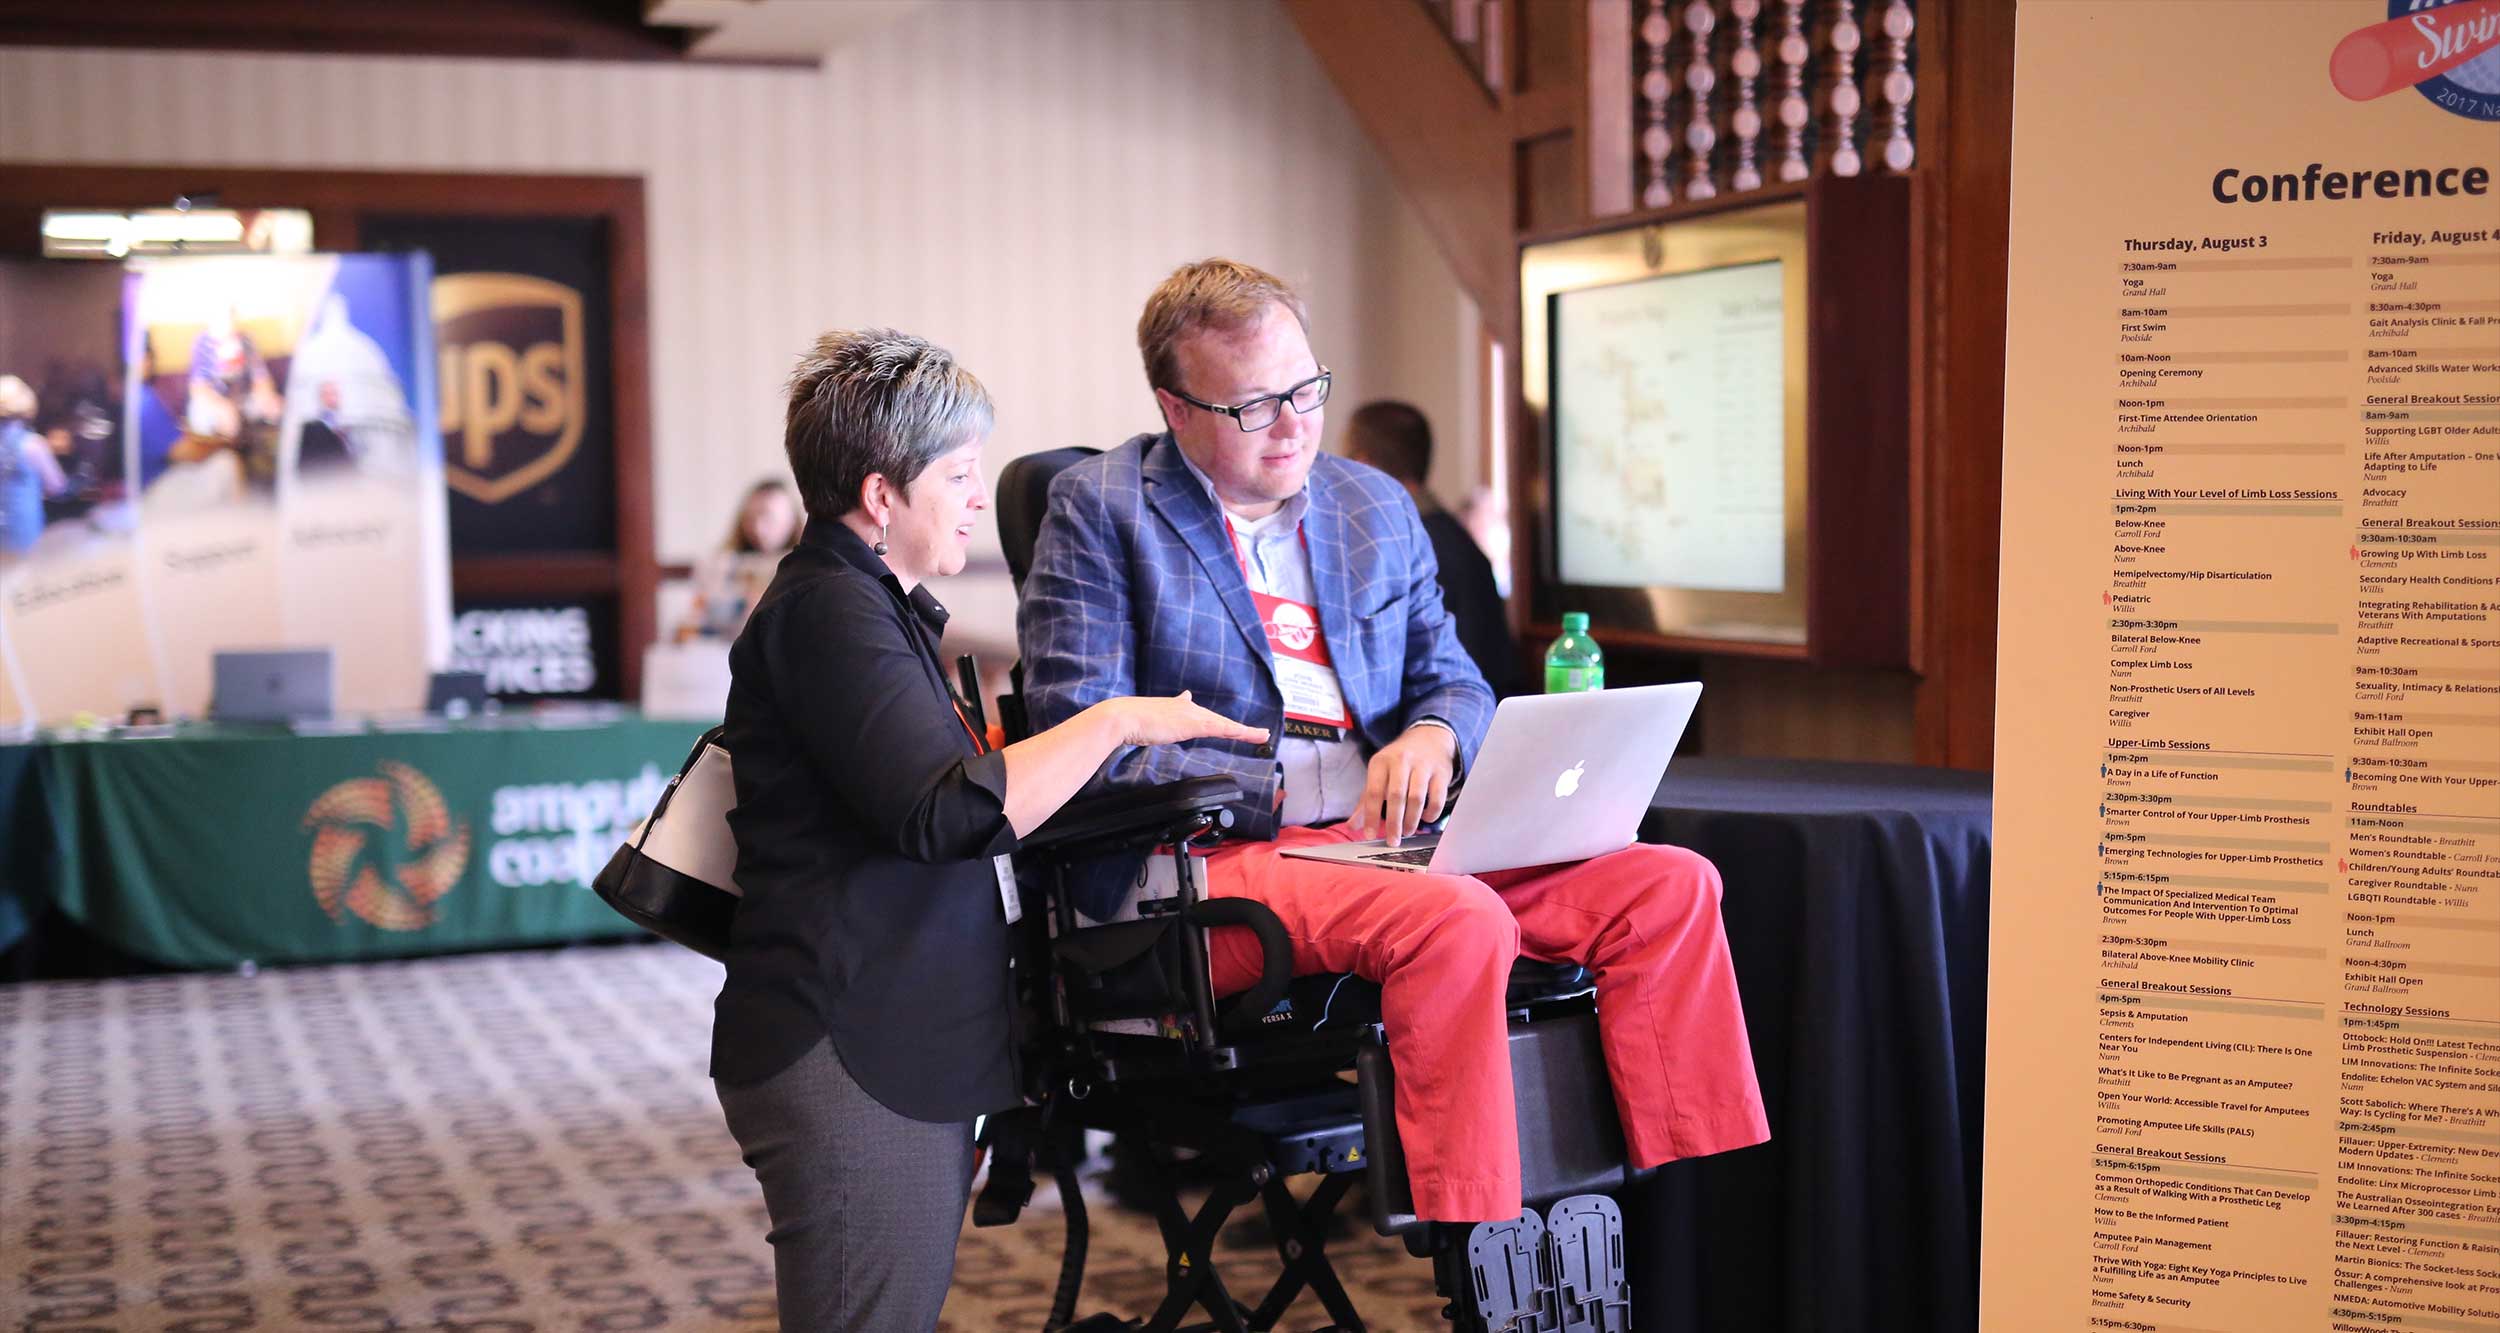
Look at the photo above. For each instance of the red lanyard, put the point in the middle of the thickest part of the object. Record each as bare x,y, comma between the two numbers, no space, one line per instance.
979,744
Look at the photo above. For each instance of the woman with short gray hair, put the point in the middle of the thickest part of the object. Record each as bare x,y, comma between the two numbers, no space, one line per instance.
864,1020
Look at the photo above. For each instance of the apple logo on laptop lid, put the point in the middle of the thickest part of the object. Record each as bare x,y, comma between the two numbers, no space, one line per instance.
1569,782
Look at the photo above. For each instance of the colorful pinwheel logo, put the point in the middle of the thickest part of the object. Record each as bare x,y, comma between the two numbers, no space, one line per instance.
385,849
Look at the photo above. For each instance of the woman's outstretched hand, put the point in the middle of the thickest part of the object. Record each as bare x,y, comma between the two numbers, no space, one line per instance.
1044,771
1160,721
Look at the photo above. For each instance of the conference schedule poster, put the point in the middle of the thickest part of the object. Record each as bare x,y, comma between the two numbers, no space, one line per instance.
2244,1027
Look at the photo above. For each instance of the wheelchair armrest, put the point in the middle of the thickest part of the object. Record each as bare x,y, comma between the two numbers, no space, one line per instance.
1243,1013
1101,952
1135,815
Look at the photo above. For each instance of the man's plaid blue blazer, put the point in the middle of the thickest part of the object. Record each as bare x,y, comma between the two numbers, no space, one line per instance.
1135,589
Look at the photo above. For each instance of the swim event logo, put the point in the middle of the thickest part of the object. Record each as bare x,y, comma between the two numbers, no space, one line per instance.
2448,50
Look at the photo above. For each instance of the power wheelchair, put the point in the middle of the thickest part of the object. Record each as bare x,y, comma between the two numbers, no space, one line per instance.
1118,1030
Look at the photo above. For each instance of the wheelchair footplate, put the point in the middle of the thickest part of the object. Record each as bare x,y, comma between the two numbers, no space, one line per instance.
1560,1273
1584,1234
1509,1286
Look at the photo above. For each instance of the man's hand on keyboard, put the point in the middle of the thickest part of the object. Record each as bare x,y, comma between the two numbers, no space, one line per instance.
1407,784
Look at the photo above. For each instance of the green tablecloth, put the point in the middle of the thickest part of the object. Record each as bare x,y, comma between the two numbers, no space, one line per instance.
216,847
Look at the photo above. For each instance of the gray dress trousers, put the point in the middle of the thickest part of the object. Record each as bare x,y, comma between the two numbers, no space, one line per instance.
865,1203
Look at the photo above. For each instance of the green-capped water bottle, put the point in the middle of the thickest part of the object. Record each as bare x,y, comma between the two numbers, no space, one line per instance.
1574,662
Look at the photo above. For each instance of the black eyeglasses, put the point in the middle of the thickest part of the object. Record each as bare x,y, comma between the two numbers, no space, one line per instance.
1261,413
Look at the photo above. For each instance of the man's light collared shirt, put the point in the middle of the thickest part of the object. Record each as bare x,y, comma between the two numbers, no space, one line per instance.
1322,779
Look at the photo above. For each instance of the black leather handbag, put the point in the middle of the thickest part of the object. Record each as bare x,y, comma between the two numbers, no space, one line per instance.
675,875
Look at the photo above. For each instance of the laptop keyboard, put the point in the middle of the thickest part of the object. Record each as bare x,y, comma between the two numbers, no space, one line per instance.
1406,856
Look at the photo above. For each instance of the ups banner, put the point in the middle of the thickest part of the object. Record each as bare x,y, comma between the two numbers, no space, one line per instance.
207,851
522,330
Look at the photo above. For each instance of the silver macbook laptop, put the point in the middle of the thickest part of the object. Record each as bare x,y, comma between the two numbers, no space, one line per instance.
1561,777
278,685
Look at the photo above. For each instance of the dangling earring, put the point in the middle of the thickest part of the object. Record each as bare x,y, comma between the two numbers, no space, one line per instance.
879,548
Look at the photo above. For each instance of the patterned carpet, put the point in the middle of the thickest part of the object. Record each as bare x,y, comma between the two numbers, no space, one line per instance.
500,1143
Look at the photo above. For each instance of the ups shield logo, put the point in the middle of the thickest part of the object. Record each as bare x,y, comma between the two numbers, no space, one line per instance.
512,380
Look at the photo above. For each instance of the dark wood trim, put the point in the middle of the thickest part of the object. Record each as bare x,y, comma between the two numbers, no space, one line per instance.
1530,485
629,353
338,199
554,576
36,186
1966,98
1556,110
1676,212
517,29
1858,590
1859,594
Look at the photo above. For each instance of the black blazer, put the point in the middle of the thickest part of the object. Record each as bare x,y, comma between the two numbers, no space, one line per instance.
1474,601
866,818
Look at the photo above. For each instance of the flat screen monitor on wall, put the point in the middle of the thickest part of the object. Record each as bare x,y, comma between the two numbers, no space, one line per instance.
1666,365
1669,440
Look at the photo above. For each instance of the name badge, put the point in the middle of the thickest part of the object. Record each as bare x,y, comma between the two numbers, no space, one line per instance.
1305,675
1009,900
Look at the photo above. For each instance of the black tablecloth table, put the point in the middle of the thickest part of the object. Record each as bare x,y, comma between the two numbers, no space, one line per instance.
1857,913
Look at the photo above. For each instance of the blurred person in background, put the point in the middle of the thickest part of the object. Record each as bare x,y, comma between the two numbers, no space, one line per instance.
344,407
81,420
729,580
28,472
230,400
1395,438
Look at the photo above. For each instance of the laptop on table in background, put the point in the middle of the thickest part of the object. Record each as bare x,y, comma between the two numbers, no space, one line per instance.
286,685
455,694
1561,777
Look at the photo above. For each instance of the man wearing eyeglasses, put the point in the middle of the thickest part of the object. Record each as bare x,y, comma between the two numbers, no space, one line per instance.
1297,590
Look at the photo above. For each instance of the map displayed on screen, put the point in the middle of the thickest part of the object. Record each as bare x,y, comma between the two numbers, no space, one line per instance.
1670,432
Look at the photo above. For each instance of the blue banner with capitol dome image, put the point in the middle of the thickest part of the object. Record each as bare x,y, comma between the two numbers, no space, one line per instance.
279,481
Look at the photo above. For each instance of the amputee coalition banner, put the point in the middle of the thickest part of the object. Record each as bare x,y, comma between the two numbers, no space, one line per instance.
281,485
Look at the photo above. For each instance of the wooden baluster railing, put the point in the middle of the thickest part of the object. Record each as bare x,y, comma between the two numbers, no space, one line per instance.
1795,112
1732,95
1838,150
1895,86
1657,86
1744,121
1701,134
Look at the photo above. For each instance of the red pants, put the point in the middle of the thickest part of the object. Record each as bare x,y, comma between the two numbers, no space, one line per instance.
1645,919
